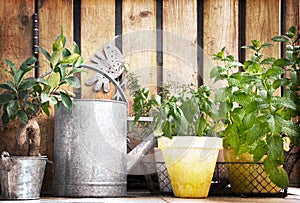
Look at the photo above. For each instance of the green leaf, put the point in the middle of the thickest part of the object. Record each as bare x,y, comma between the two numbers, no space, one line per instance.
167,130
224,108
5,98
70,59
260,150
189,108
282,62
18,76
58,45
232,135
55,58
66,100
275,145
221,94
276,174
28,83
241,98
268,60
9,86
22,116
44,97
158,125
12,108
266,45
201,126
5,117
255,43
280,39
76,70
66,52
292,31
28,62
54,80
286,102
45,108
73,81
79,62
274,72
45,53
76,48
11,65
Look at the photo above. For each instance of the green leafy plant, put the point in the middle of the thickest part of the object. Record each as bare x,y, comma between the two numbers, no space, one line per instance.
257,120
187,112
24,97
291,62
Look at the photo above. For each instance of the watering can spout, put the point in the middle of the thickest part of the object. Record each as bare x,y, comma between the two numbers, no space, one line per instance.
136,155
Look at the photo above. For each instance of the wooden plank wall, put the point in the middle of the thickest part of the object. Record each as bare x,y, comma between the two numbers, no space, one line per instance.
210,23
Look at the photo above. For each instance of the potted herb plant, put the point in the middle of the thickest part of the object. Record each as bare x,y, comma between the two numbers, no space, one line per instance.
183,121
22,99
257,120
291,62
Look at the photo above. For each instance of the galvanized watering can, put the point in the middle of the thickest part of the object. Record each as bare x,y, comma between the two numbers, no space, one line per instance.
90,149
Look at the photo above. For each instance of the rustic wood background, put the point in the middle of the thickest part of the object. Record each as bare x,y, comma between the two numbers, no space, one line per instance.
211,24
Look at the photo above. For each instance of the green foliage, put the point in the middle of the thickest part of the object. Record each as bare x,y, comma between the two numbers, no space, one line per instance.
188,112
255,118
25,97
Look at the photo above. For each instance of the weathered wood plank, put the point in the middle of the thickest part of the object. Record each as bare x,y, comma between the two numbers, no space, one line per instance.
97,29
263,23
220,29
292,14
54,15
15,32
138,43
180,41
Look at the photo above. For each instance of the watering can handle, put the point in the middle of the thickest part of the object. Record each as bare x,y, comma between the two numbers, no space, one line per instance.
94,68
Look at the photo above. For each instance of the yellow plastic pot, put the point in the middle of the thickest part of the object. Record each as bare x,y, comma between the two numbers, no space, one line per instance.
190,162
247,177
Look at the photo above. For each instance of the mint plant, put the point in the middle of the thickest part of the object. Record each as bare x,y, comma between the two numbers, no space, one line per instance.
256,119
291,62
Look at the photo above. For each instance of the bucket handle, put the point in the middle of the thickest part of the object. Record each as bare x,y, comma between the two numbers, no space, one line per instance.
6,162
119,89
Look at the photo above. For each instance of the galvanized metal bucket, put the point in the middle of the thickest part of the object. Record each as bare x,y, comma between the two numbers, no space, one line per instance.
90,149
21,176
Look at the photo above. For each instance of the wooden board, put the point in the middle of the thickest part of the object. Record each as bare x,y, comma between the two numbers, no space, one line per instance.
263,23
292,14
54,15
219,33
97,29
15,32
180,41
139,42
